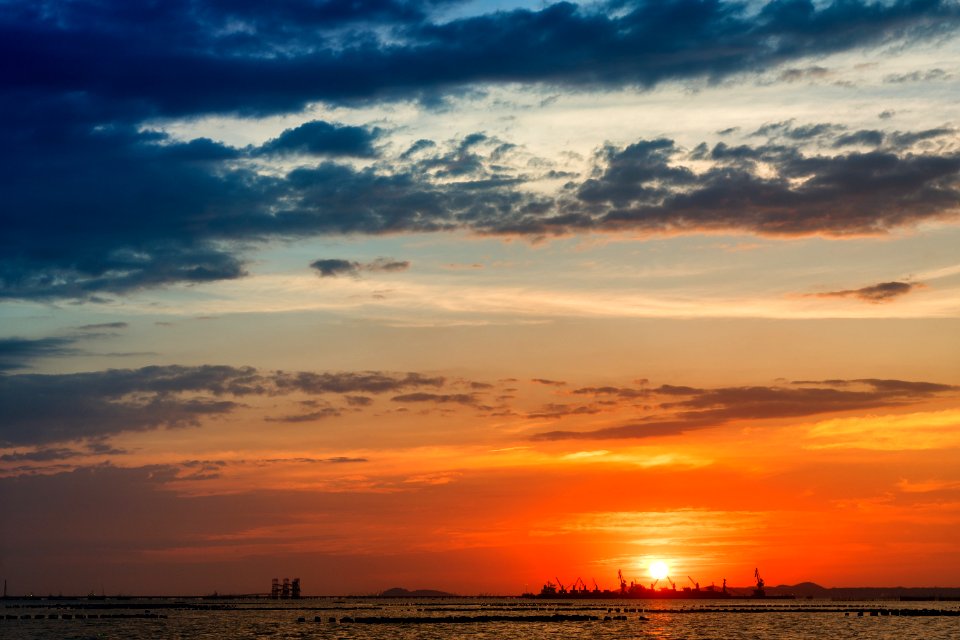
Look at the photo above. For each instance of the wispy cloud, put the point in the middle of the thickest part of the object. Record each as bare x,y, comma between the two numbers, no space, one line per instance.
332,267
877,293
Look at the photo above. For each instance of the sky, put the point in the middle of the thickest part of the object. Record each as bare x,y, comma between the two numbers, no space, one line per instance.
471,295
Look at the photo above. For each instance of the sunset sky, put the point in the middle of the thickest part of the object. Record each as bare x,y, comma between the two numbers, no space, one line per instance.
471,295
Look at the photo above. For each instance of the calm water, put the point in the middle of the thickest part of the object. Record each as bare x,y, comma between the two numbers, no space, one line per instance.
189,618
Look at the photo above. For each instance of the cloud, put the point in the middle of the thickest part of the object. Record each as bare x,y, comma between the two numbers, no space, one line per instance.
809,73
43,455
353,382
688,409
193,58
641,188
904,387
51,454
323,138
134,209
869,137
17,353
40,409
548,382
556,411
440,398
905,139
882,292
116,222
342,460
622,392
918,76
332,267
104,325
313,416
333,460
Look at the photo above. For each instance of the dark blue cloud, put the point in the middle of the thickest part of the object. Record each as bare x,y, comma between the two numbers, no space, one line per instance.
133,209
323,138
185,58
332,267
17,353
89,211
112,210
843,194
869,137
116,209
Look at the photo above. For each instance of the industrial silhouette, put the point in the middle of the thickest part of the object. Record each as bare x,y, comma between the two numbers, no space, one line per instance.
286,591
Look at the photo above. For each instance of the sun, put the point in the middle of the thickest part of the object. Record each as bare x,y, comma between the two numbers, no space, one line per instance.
659,569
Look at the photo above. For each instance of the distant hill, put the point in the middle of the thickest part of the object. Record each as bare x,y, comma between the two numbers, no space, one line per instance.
398,592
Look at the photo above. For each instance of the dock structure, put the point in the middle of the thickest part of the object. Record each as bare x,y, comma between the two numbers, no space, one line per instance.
287,590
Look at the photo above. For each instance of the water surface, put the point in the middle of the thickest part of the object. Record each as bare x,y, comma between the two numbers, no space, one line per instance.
475,618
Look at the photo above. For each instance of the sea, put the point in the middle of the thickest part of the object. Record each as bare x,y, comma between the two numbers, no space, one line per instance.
480,618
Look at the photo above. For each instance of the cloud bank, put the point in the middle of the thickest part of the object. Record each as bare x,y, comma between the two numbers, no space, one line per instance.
48,408
133,208
688,409
187,58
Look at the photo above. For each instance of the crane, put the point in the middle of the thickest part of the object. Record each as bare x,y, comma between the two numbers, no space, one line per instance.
563,589
596,587
623,583
673,585
758,592
654,584
696,585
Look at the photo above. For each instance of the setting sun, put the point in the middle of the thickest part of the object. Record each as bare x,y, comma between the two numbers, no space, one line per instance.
659,570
